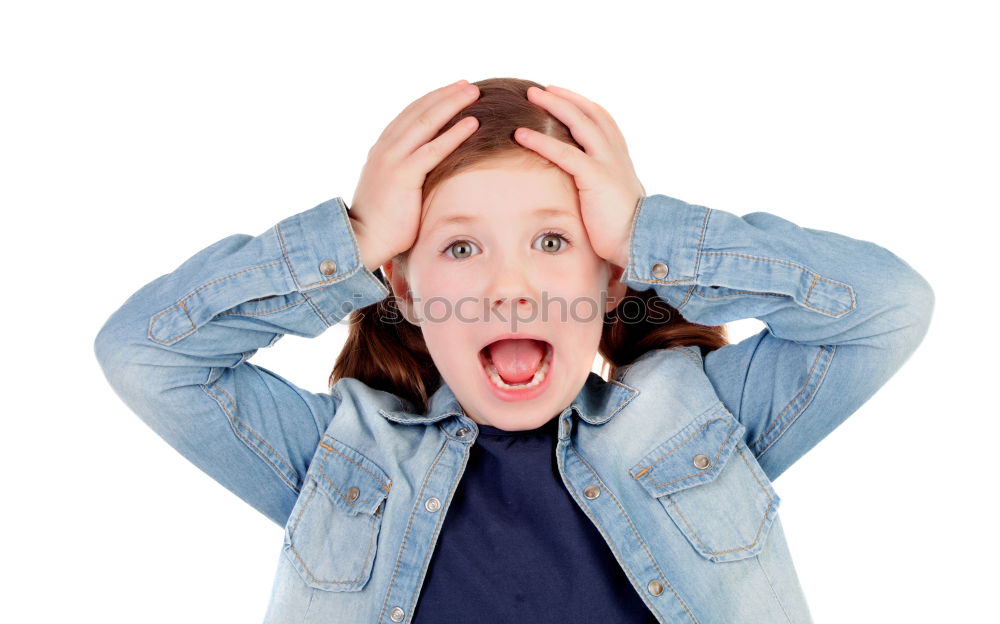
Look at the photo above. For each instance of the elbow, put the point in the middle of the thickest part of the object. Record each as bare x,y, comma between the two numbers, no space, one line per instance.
921,297
116,355
107,348
915,311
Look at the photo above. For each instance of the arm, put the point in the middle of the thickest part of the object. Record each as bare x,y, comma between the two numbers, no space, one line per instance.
176,351
842,315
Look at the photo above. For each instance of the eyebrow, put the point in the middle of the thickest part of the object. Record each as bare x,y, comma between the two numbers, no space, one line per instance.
538,212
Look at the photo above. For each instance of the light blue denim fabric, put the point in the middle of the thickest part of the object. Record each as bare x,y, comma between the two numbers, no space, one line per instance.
673,461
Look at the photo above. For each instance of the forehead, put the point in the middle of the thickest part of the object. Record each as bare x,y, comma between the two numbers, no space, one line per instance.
505,191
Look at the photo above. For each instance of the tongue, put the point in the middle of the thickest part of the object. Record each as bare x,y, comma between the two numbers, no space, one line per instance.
517,359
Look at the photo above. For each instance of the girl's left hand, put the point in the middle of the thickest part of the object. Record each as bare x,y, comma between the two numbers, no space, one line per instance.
609,189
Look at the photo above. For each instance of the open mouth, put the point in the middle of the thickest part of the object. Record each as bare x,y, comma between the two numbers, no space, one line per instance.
519,375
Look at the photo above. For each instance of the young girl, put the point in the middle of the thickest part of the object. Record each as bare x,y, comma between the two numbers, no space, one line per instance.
517,243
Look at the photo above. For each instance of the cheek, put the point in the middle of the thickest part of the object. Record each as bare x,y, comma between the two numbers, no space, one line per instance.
581,297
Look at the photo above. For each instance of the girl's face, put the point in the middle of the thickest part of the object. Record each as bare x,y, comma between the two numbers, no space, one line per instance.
502,249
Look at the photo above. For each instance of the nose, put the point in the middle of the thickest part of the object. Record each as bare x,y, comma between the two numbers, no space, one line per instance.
512,284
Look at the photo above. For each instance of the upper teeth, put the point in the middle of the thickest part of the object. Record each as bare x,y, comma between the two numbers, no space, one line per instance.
539,375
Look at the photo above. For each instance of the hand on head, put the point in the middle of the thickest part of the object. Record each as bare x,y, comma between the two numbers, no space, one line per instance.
385,209
605,178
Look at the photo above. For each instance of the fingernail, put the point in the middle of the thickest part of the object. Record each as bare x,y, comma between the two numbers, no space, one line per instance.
462,81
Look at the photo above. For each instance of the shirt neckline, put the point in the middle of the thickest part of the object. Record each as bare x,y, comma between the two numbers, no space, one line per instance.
545,429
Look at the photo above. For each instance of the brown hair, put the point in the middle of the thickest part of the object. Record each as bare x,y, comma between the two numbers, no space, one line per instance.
388,353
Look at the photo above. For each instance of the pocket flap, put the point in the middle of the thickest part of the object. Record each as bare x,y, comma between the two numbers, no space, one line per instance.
694,455
351,480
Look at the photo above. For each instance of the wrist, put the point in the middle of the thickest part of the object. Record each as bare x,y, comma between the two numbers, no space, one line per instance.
372,256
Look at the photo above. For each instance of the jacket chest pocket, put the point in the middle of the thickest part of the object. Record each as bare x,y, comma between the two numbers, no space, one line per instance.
332,532
712,487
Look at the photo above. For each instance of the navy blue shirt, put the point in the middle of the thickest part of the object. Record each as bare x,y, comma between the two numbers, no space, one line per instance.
516,547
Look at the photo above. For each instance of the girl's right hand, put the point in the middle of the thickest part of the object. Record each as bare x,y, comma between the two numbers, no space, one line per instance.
386,207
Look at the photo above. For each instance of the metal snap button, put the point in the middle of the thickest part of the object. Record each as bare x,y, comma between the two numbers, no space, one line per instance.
660,270
655,587
396,615
701,461
328,267
432,504
353,493
461,432
591,491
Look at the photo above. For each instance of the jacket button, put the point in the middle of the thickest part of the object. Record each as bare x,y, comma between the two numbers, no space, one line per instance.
701,462
328,267
432,504
396,615
353,493
655,587
660,270
461,432
591,491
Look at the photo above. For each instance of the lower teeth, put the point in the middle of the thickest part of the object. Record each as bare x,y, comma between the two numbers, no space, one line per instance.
491,370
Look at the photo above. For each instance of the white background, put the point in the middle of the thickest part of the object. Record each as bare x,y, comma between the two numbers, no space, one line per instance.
135,134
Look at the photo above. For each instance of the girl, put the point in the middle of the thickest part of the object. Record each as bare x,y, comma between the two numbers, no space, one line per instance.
517,243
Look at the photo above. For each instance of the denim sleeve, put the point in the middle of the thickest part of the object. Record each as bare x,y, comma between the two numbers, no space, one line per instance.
176,351
842,315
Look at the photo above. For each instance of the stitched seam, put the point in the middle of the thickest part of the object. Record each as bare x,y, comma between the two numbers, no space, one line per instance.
760,527
341,494
796,415
288,262
816,278
316,309
409,526
678,445
688,355
284,254
378,478
437,527
271,311
774,593
796,400
701,240
373,524
704,294
714,463
278,457
235,423
298,516
632,526
634,393
180,303
631,247
798,395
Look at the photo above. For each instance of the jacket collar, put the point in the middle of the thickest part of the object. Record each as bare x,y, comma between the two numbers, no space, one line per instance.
597,402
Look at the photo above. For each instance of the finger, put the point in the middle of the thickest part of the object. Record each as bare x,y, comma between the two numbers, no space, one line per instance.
430,155
595,111
436,93
583,128
567,157
419,125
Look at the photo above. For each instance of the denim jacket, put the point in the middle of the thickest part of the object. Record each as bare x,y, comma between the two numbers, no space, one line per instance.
673,459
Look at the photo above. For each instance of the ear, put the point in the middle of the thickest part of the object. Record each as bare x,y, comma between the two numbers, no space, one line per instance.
616,288
400,290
